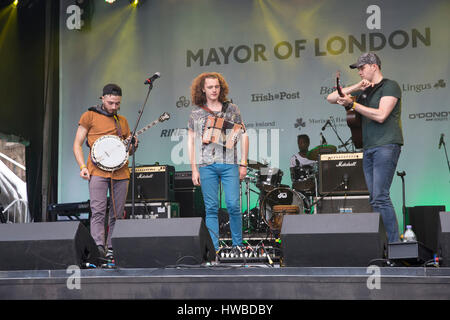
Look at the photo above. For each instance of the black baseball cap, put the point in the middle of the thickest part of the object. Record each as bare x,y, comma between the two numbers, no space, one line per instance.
112,89
366,58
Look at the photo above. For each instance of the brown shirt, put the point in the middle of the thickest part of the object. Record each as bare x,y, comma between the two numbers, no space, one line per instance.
99,125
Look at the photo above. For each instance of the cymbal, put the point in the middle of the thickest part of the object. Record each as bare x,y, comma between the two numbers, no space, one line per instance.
255,165
314,153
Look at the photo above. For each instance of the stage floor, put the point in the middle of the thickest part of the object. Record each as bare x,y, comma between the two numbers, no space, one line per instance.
227,281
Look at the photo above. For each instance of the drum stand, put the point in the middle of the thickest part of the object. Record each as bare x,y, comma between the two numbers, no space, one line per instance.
248,190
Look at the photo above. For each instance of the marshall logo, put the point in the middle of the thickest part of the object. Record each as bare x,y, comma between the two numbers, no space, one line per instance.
145,176
346,164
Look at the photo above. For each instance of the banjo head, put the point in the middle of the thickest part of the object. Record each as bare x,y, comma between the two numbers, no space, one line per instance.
109,153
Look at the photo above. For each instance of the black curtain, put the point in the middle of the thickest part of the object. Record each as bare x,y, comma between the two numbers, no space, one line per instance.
24,70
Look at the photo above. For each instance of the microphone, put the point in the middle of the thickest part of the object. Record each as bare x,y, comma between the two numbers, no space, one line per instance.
153,78
345,181
441,140
326,124
401,173
322,139
139,193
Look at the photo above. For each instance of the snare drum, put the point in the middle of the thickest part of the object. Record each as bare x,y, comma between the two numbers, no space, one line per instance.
269,178
279,202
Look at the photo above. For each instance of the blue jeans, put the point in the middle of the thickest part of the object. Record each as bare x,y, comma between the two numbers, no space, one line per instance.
379,166
209,179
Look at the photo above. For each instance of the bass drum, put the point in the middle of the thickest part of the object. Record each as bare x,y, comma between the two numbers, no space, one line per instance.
281,201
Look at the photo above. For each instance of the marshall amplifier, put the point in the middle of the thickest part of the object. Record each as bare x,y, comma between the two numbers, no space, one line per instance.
153,183
183,180
342,174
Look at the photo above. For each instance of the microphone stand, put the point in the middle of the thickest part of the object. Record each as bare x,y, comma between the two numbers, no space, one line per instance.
131,143
337,135
402,175
446,155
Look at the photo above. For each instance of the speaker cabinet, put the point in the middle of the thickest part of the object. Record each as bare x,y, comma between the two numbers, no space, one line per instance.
444,238
332,240
153,183
45,246
342,174
158,243
191,202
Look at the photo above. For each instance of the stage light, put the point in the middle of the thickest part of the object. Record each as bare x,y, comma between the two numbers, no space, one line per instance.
134,2
110,1
15,3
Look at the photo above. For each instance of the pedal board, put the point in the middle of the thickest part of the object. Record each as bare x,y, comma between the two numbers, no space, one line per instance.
250,254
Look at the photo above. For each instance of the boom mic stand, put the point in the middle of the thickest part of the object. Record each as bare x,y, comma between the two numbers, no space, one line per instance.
131,144
442,142
327,194
343,144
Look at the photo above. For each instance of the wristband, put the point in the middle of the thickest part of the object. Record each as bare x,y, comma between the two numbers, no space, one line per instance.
243,165
82,166
350,106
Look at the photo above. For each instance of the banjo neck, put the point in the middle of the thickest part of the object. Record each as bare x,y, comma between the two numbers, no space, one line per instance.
165,116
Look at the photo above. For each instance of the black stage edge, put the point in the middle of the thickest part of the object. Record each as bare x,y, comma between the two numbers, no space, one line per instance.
229,282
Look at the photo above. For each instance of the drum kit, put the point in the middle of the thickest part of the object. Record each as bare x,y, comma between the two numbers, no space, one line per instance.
275,199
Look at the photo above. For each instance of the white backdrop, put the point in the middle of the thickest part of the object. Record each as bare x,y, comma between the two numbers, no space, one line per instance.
279,58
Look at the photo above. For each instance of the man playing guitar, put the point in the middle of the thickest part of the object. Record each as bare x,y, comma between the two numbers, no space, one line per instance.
378,101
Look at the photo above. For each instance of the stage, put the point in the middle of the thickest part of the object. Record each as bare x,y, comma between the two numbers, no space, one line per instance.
224,281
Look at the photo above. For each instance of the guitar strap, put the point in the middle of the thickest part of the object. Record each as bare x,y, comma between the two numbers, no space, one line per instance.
369,91
99,109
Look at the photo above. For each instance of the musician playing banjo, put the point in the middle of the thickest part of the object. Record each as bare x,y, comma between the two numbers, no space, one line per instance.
209,95
106,167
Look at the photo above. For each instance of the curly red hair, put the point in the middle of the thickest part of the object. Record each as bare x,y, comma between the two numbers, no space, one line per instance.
198,97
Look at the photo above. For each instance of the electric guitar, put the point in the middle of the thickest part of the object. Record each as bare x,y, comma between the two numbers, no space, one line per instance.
353,118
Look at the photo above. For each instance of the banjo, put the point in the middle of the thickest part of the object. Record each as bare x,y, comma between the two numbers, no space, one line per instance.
109,152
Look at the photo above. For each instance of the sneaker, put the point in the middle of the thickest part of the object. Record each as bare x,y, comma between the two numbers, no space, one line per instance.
109,255
236,252
101,250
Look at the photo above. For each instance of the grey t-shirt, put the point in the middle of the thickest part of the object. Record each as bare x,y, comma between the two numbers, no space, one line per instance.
213,153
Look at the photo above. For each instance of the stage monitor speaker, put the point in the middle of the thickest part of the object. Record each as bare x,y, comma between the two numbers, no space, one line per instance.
444,238
158,243
332,240
46,246
425,221
153,183
342,174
